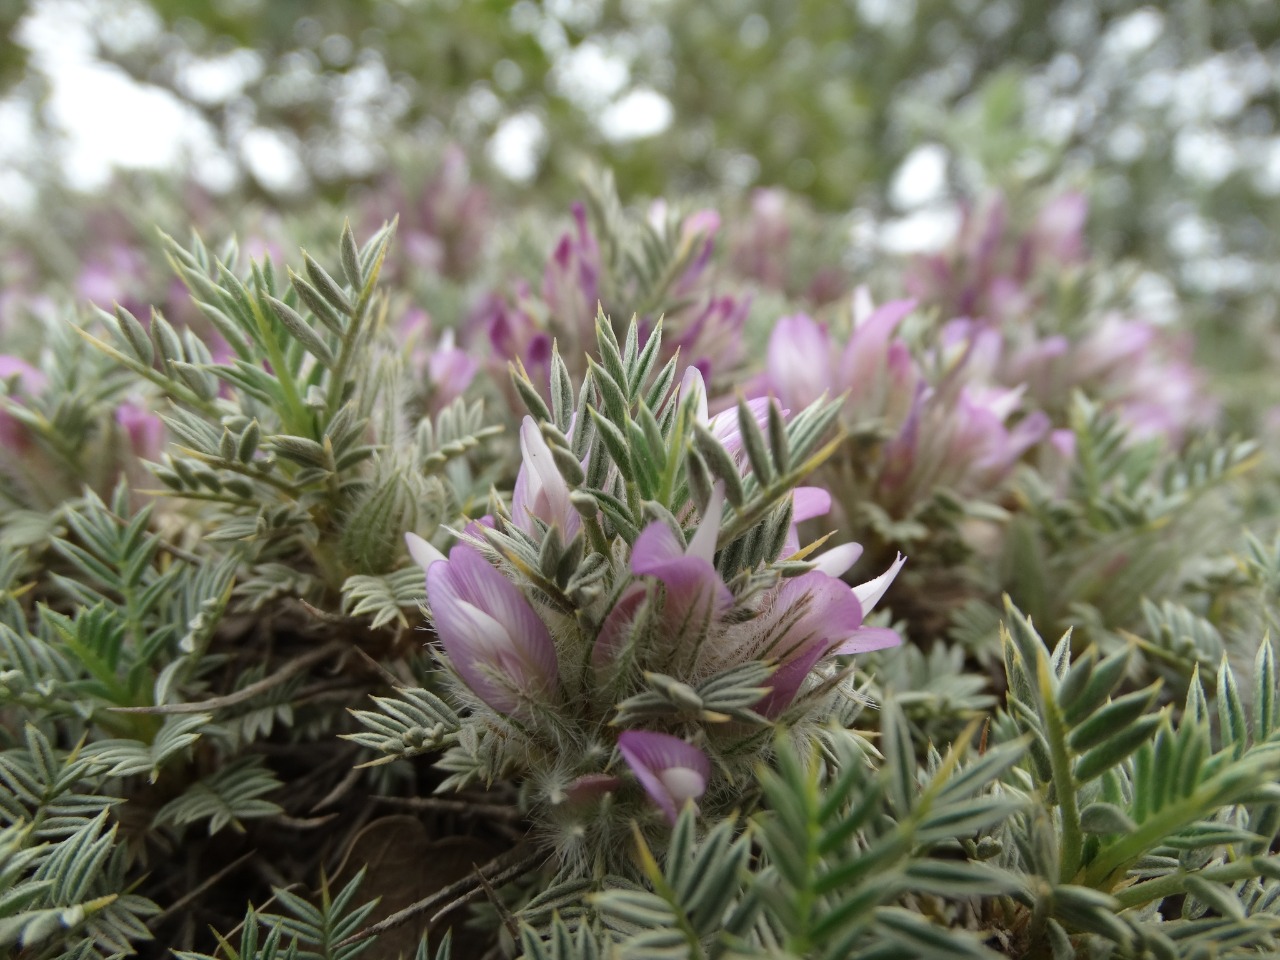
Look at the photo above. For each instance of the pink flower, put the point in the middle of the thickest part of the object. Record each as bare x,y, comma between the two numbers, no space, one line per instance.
696,597
671,771
571,281
541,491
1058,233
813,616
26,381
513,334
712,340
491,635
449,370
960,441
875,369
616,628
700,228
144,430
876,372
455,215
798,361
762,247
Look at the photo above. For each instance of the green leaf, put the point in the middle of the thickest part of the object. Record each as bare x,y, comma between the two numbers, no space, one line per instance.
1110,753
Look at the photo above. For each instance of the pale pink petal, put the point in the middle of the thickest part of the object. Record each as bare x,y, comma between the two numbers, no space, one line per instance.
798,360
725,428
541,491
809,502
617,625
866,639
671,771
487,627
656,546
692,381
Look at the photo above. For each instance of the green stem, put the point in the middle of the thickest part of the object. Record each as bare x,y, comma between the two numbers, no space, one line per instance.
235,466
595,533
338,376
295,418
1064,785
1165,823
1175,883
172,387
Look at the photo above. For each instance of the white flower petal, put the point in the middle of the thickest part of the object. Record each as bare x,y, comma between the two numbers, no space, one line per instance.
869,593
423,553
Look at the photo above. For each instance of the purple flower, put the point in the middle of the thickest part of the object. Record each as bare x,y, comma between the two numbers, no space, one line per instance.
958,439
712,339
1116,346
798,361
616,628
762,248
1058,233
875,369
696,596
811,617
981,440
571,281
455,214
961,280
491,635
541,491
450,371
144,430
699,228
671,771
27,381
724,425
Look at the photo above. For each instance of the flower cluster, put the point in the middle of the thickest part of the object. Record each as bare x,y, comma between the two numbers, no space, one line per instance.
55,438
944,425
660,266
999,284
644,614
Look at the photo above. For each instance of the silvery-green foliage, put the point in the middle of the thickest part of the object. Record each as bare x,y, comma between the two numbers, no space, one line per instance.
822,871
1084,825
296,442
1132,807
933,689
307,931
633,456
642,259
122,637
75,442
63,889
1130,524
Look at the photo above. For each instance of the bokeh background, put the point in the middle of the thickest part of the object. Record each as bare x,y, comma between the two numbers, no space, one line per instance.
880,115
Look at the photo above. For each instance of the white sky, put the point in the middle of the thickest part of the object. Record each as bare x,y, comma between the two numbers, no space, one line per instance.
105,118
107,121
